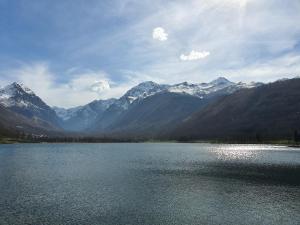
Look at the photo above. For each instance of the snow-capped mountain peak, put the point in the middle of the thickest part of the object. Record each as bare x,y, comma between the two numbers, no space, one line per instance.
221,81
149,88
18,95
201,89
14,89
26,89
141,91
10,93
22,100
184,87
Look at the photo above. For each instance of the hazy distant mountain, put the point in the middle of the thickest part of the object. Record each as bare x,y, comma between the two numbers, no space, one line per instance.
20,99
82,117
268,111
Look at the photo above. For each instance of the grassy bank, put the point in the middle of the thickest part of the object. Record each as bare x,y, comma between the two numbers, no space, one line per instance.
9,140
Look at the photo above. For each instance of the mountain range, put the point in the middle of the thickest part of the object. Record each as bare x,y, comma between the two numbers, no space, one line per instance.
109,116
270,111
217,109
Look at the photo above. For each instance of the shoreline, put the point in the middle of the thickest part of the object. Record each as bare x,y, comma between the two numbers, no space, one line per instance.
286,143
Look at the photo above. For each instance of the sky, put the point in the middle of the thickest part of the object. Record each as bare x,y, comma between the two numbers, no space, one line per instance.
72,52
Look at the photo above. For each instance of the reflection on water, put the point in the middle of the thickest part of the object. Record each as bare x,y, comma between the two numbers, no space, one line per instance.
149,184
236,152
243,152
257,154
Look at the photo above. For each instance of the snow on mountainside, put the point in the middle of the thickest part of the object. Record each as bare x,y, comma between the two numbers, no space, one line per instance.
270,111
11,95
22,100
139,92
18,95
203,89
149,88
103,113
96,107
82,117
87,110
66,114
144,90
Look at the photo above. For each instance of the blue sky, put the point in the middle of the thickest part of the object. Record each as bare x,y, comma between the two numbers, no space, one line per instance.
74,51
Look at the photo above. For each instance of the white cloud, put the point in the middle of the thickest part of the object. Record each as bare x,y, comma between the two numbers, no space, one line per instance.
160,34
194,55
81,89
100,86
239,33
93,81
286,66
246,38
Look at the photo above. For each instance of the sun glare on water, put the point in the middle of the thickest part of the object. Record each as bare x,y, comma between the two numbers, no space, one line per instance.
240,152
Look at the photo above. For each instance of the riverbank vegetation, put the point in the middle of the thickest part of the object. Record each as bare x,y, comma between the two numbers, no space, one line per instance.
29,138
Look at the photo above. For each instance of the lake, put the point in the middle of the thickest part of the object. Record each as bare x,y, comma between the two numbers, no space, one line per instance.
149,183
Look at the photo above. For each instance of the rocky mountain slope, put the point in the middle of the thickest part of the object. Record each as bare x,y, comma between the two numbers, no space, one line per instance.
135,98
20,99
155,115
269,111
146,110
13,124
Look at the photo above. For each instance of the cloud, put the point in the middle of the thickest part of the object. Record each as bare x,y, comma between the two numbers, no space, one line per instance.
238,34
244,37
160,34
100,86
80,89
93,81
286,66
194,55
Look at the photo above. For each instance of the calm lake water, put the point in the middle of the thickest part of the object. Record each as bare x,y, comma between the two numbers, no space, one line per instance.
149,184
